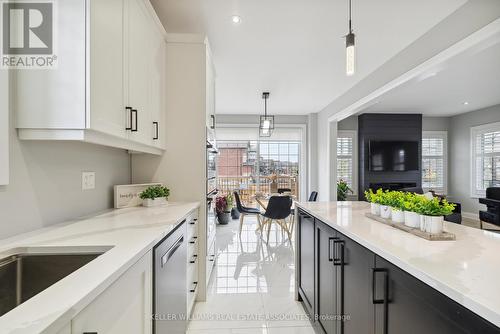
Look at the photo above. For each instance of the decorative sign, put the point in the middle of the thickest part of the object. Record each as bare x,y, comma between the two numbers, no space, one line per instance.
127,196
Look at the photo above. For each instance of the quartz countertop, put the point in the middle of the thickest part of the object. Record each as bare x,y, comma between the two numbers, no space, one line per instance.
466,269
128,234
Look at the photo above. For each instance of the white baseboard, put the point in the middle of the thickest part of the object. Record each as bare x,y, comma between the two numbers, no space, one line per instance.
471,215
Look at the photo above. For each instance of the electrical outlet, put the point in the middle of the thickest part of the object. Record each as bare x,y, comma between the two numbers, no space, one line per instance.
88,180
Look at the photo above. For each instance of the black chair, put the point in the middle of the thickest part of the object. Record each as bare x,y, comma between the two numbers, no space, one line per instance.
313,197
284,190
245,210
278,209
492,202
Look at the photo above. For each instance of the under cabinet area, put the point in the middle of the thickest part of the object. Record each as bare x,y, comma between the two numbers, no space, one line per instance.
110,83
347,288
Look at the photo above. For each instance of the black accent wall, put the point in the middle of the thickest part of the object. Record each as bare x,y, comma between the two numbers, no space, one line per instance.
405,127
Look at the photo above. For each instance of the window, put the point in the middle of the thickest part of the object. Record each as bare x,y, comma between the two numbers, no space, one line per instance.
485,164
346,158
434,160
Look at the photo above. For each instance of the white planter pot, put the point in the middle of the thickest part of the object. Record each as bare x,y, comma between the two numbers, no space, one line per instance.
154,202
434,224
385,211
398,216
375,209
412,219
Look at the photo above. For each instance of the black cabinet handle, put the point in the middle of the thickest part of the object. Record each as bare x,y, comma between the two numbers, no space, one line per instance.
213,121
157,131
385,299
338,261
331,253
341,261
90,333
128,116
193,258
193,240
133,115
193,288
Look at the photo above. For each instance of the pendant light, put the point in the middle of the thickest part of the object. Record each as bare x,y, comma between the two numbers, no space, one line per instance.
266,124
350,48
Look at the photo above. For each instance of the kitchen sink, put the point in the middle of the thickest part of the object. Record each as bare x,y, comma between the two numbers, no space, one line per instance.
25,272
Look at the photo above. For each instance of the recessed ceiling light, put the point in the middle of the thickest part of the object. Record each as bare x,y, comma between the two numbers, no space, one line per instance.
236,19
466,103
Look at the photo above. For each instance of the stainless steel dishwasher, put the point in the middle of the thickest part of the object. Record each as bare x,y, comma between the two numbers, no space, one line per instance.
170,287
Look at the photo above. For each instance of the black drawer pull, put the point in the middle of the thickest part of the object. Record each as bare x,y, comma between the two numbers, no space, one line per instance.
338,260
193,259
193,240
133,125
193,287
385,299
128,116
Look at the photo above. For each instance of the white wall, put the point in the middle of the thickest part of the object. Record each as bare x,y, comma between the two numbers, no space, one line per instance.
4,128
45,182
460,154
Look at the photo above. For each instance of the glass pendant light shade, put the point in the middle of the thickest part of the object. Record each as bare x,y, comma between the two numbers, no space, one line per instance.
266,123
350,54
266,126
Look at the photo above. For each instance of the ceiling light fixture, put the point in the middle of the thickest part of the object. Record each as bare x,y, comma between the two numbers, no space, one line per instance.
236,19
466,103
350,45
266,124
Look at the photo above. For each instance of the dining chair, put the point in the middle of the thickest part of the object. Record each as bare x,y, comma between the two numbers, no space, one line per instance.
284,190
244,211
278,209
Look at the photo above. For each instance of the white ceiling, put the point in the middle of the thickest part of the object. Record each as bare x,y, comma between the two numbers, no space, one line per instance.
294,48
472,78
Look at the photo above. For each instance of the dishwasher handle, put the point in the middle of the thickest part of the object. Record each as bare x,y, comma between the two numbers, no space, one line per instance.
171,250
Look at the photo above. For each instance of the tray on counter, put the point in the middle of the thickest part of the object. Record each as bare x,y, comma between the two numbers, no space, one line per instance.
444,236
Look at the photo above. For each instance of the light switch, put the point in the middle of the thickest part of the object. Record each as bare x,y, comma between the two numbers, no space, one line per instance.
88,180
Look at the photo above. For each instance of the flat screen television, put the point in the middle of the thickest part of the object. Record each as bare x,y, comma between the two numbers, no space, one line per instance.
393,156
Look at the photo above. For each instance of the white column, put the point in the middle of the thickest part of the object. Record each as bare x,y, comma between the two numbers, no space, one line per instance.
332,159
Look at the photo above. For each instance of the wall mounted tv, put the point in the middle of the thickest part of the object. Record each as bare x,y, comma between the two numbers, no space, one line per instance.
393,156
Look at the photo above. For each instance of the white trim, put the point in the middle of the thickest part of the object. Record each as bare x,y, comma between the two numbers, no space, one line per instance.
474,131
354,135
4,127
443,135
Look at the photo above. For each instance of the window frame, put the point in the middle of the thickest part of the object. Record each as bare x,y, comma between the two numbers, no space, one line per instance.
474,132
441,135
353,134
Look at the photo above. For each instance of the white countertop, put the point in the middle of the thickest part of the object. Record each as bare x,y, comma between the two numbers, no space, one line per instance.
466,270
130,232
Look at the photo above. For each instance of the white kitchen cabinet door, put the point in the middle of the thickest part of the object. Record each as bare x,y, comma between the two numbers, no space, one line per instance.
140,32
158,90
123,308
107,110
210,92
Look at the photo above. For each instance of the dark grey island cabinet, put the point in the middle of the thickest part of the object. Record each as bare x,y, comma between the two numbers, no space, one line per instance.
348,289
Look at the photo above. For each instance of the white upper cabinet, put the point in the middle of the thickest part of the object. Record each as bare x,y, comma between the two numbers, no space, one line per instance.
108,87
210,86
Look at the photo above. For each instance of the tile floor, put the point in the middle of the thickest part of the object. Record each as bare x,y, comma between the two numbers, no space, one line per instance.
251,290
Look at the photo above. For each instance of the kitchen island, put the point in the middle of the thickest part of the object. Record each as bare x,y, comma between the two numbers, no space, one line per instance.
356,275
113,292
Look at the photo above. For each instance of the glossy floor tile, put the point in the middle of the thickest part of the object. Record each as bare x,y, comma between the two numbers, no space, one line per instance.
252,286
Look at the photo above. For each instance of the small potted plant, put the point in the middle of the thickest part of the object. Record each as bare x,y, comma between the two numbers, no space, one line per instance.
433,212
371,197
411,204
223,205
342,190
384,201
155,196
396,202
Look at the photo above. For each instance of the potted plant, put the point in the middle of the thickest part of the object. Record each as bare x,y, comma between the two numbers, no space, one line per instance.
411,203
155,196
433,212
223,209
384,201
396,202
371,197
342,190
